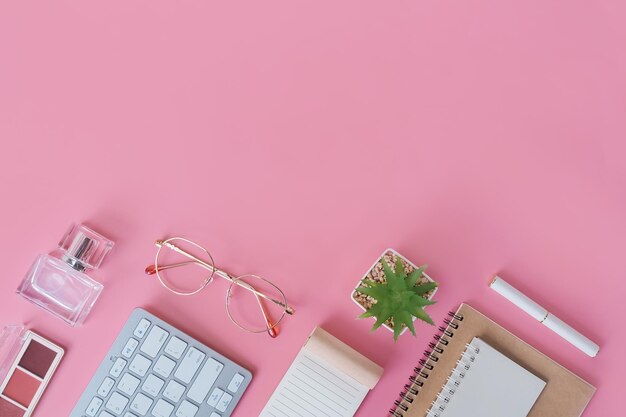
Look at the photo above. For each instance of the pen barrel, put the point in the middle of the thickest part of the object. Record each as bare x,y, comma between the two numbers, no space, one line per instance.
542,315
572,335
518,298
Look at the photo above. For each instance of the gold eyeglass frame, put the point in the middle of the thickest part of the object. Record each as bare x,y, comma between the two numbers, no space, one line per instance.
193,259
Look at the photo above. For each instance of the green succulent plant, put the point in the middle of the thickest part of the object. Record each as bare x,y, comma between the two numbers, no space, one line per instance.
400,298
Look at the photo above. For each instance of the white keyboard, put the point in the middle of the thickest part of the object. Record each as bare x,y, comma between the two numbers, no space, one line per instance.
154,369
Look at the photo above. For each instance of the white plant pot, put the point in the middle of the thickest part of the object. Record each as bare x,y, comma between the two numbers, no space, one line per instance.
394,252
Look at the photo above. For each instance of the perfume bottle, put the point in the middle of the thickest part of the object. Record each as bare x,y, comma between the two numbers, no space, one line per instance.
58,282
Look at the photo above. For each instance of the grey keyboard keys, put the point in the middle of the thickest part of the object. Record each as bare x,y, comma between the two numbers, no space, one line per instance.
128,384
189,365
118,367
162,409
130,347
215,396
94,406
140,365
117,403
164,366
105,387
224,402
175,347
154,341
205,380
235,383
153,385
174,391
142,328
141,404
186,409
155,370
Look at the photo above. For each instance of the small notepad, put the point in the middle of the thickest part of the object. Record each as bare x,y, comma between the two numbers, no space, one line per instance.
486,383
327,378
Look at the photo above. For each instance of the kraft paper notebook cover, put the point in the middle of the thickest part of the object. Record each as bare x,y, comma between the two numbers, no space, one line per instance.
564,394
327,379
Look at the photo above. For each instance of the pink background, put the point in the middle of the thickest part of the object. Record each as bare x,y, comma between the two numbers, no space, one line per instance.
297,140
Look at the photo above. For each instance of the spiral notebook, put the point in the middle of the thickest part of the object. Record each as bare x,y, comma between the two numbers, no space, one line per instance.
483,372
446,382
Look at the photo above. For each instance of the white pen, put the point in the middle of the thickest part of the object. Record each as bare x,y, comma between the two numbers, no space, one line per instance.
544,316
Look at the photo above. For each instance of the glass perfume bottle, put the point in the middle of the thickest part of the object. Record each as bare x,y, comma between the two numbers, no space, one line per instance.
58,282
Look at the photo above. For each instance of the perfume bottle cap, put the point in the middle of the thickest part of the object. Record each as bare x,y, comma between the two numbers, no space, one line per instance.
83,248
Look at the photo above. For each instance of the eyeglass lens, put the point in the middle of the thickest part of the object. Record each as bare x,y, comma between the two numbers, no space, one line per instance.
179,272
251,311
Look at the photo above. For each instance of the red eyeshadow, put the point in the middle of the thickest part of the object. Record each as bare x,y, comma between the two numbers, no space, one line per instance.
9,410
21,388
37,359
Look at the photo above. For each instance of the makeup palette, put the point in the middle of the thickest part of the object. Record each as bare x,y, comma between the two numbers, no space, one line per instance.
27,363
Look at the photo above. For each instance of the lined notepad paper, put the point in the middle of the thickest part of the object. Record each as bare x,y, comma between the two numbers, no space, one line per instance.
327,379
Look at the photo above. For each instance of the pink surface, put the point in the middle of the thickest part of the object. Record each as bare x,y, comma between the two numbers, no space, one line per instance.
298,139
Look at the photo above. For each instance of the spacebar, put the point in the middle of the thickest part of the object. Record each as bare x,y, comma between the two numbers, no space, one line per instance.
205,380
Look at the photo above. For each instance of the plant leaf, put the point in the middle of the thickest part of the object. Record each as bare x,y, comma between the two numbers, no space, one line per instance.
424,288
375,292
400,272
422,315
406,319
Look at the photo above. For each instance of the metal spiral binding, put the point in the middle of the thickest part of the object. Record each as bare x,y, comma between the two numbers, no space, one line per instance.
426,365
454,381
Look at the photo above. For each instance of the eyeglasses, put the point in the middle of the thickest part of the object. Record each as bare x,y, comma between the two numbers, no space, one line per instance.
253,303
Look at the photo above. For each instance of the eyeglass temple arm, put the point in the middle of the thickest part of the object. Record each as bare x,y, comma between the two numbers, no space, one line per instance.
289,310
272,330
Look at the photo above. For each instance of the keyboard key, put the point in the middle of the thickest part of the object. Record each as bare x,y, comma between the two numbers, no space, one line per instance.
235,383
130,347
214,414
215,396
164,366
186,409
94,406
175,347
106,386
205,380
128,384
117,403
154,341
118,367
141,404
142,328
189,365
174,391
224,402
140,365
127,414
153,385
106,414
162,409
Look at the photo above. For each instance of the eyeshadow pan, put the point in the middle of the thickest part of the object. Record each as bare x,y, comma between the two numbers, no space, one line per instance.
10,410
21,387
37,359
